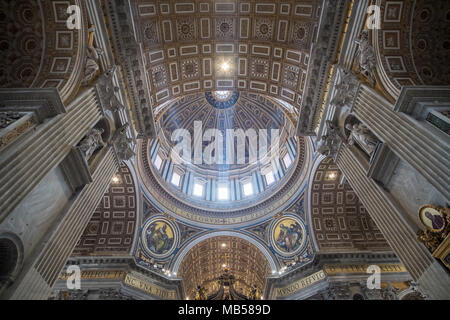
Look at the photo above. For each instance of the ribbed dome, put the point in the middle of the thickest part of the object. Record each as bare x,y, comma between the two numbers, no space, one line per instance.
238,111
231,192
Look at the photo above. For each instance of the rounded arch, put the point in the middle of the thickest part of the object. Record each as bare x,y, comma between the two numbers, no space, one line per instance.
22,43
108,126
131,164
273,263
412,44
38,50
65,51
11,259
220,254
199,52
315,165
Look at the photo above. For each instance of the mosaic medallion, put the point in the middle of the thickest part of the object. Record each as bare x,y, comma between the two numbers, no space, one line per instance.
288,235
159,237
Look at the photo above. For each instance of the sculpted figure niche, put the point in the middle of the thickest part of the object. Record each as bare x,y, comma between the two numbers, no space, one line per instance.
362,135
93,57
91,142
345,90
122,144
365,58
330,142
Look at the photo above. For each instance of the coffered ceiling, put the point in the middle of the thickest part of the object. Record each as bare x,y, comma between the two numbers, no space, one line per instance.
264,44
207,261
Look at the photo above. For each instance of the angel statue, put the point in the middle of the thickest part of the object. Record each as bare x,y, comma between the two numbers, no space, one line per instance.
363,136
93,56
91,142
122,144
365,57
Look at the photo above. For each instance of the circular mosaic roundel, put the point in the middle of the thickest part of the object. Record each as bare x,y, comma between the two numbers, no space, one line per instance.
288,235
222,104
159,237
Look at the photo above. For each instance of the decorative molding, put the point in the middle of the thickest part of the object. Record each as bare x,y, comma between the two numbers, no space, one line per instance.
322,56
44,102
131,56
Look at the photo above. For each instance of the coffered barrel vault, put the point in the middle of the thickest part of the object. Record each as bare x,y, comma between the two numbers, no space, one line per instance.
265,44
195,46
211,258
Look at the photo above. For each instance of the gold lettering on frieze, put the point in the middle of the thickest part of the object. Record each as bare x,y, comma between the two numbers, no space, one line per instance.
149,287
300,284
97,274
331,269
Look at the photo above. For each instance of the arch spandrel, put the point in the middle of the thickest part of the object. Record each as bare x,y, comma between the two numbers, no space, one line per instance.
412,44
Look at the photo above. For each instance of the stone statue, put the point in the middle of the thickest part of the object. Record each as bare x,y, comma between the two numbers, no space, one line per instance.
91,142
330,142
123,144
325,147
92,61
389,293
365,58
108,90
363,136
345,89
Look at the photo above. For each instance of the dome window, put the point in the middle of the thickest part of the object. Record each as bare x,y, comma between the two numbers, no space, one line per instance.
248,189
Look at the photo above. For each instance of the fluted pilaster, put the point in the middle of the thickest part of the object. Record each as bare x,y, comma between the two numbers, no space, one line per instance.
25,163
424,269
43,272
407,137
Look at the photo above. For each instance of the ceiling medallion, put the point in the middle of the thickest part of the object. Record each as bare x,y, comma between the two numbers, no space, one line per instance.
224,27
159,237
185,28
222,99
264,28
288,235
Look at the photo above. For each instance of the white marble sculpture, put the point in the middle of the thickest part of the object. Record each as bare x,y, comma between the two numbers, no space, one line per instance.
92,61
363,136
91,142
365,58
